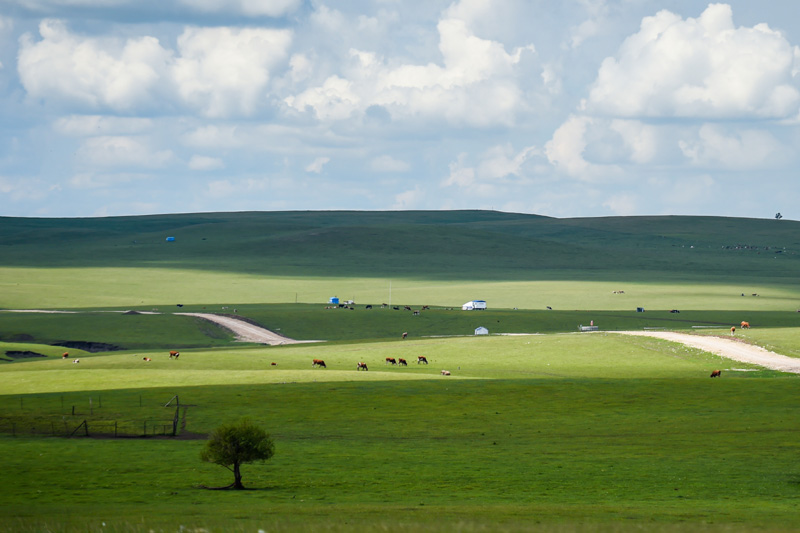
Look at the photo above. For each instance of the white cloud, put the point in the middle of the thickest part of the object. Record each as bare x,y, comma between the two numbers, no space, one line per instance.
475,84
316,165
387,163
96,73
225,71
703,67
737,150
120,151
622,204
410,199
201,162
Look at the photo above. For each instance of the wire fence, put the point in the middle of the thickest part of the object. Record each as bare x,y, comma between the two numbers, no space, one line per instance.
51,416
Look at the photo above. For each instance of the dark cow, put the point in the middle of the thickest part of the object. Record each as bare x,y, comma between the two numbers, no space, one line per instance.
405,334
174,354
273,364
402,362
391,360
425,307
318,362
716,373
361,366
422,359
369,307
146,359
407,307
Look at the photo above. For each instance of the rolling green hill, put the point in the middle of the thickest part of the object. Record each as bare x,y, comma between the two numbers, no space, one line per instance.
443,245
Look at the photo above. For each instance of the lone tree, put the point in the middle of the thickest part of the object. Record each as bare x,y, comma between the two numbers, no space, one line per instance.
232,445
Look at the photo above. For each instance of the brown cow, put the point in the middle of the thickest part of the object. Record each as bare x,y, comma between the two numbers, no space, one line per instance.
422,359
391,360
716,373
733,330
745,325
174,354
146,359
361,366
318,362
64,355
402,362
273,364
405,334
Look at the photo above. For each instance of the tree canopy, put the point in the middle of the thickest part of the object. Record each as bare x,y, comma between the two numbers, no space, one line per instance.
232,445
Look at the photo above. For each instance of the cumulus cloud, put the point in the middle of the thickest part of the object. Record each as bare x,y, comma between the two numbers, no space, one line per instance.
217,71
715,147
699,67
97,73
225,71
474,84
92,180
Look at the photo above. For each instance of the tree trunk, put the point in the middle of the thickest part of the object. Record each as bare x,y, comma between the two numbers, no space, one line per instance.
237,477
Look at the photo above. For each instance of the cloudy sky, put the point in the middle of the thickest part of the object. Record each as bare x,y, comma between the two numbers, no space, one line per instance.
569,108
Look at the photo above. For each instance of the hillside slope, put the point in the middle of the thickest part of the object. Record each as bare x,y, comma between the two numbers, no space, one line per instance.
423,244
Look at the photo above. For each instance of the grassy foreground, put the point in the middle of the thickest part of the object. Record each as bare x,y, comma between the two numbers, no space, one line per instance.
556,432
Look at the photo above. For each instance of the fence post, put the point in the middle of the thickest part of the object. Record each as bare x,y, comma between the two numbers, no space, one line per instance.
115,429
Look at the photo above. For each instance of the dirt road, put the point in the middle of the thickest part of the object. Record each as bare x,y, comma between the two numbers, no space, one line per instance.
245,331
729,348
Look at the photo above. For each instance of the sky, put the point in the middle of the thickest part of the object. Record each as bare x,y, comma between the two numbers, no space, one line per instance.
576,108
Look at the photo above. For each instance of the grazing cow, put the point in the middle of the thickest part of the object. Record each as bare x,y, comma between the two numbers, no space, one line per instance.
674,311
416,313
549,308
445,372
361,366
402,362
146,359
395,308
733,330
318,362
174,354
273,364
391,360
369,307
745,325
76,361
405,334
64,355
406,308
716,373
422,359
425,307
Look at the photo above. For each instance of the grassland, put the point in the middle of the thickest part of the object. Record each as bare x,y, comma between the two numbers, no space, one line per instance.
553,432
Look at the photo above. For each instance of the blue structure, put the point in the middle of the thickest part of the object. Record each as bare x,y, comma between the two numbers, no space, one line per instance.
333,300
170,239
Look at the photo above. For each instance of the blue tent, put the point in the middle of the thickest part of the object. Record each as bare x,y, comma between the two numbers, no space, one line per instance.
170,239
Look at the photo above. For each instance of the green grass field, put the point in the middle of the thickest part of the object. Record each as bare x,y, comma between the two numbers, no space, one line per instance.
559,431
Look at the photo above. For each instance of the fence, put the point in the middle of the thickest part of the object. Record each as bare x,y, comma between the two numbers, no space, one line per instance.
35,417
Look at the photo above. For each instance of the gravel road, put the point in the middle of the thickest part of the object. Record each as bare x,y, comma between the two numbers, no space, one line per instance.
245,331
729,348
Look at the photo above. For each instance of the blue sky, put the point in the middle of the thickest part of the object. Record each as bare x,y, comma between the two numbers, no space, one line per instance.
573,108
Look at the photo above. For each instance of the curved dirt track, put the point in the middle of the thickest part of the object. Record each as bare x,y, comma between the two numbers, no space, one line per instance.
245,331
729,348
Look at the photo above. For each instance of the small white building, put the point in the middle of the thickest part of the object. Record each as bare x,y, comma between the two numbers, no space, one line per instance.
481,331
474,305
